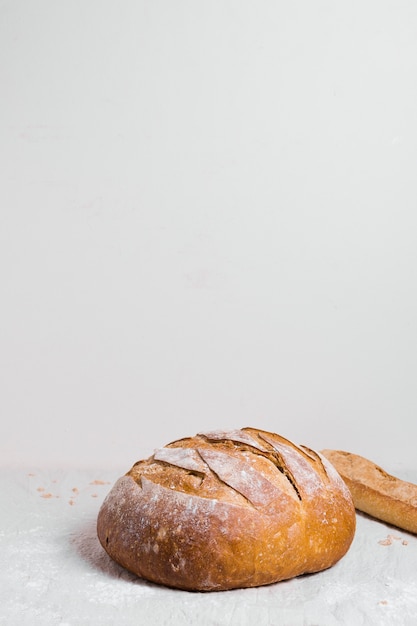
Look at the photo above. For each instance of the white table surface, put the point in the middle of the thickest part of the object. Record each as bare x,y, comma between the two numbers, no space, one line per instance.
54,571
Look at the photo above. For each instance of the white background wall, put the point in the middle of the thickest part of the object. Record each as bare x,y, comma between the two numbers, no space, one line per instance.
208,217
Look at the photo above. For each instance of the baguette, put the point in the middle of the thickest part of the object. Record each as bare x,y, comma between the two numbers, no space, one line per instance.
376,492
224,510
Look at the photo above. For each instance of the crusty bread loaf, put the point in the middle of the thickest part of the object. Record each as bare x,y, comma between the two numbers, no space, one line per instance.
376,492
223,510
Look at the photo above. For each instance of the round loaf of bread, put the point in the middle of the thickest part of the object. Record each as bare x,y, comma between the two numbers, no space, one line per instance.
223,510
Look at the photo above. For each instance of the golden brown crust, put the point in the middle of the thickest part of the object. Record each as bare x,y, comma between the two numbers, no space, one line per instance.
223,510
376,492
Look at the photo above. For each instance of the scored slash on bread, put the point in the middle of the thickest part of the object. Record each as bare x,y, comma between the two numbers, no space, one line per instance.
376,492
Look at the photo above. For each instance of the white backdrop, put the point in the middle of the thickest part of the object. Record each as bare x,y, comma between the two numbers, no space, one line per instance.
208,219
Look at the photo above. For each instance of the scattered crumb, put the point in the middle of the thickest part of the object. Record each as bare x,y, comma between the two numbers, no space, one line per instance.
384,602
75,491
385,542
390,540
31,475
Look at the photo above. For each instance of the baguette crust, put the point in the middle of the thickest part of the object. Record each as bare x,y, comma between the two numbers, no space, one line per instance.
223,510
376,492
